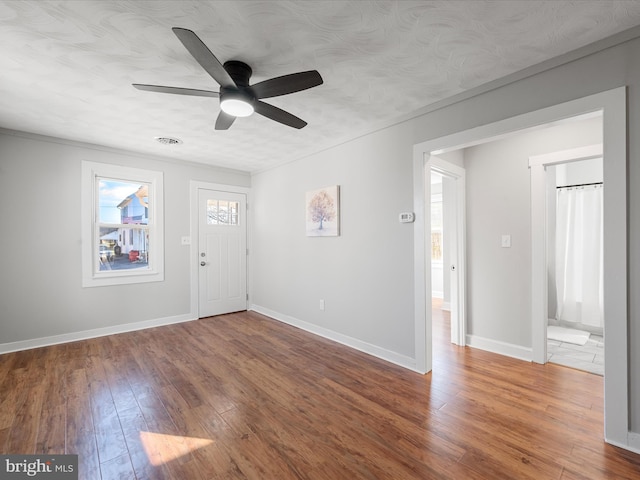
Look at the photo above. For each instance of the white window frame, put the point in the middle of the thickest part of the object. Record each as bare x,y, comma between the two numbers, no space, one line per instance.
91,275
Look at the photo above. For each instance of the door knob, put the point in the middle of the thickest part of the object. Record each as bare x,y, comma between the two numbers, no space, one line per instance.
453,268
202,264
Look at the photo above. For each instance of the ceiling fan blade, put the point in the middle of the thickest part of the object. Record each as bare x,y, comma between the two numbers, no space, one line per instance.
176,90
279,115
204,57
224,121
286,84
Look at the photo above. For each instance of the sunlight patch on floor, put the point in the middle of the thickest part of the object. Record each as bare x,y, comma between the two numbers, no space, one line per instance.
162,448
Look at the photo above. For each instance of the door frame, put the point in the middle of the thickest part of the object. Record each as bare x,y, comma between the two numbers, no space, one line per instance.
194,187
456,231
613,104
539,260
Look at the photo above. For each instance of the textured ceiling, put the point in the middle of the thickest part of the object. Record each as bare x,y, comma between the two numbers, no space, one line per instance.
66,67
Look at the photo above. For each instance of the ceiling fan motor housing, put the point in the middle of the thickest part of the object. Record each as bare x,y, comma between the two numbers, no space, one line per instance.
240,72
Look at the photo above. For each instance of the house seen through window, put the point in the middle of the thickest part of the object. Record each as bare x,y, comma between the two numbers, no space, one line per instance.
122,211
123,237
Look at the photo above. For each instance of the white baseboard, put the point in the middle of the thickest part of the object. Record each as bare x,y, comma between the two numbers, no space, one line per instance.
633,442
502,348
382,353
93,333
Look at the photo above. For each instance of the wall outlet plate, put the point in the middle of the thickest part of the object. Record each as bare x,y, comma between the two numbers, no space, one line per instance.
185,241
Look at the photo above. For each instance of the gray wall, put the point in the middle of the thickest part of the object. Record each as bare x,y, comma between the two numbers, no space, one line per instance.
498,203
362,274
42,292
366,274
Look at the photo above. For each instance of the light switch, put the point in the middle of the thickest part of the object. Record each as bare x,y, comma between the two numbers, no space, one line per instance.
506,241
185,241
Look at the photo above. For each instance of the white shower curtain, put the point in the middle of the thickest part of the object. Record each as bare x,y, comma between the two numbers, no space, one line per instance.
579,233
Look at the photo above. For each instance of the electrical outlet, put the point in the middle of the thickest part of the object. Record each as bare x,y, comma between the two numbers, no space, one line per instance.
322,305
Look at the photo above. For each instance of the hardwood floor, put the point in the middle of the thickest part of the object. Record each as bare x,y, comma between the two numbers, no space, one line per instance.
242,396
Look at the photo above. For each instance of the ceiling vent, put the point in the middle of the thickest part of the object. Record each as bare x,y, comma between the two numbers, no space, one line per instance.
168,140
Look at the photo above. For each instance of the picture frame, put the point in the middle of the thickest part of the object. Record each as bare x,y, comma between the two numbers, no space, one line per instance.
322,207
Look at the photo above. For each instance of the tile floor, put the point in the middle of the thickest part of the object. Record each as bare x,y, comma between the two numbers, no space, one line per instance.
589,357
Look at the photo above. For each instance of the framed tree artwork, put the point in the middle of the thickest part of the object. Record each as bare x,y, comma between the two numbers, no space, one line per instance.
323,212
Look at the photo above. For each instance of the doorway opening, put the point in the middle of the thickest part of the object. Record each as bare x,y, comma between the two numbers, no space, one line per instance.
447,238
439,293
575,330
613,105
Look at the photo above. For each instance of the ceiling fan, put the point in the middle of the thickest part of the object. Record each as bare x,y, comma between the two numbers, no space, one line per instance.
237,97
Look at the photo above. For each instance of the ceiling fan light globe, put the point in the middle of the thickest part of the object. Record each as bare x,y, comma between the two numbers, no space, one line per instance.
236,107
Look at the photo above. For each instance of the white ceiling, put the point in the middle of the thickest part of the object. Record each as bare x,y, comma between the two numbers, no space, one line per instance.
66,67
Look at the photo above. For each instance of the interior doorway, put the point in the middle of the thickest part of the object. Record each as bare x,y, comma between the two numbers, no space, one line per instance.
575,330
613,105
449,238
439,292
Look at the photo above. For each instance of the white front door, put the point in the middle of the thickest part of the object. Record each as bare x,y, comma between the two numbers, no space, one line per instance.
222,252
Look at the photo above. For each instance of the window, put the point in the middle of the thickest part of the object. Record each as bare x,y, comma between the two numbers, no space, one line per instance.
222,212
122,230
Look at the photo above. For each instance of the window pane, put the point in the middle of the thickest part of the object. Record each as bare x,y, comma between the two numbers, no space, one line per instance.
123,202
222,212
233,213
436,245
116,253
212,212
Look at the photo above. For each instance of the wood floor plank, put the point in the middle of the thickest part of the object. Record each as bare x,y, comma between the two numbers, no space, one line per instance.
80,435
51,430
106,424
145,462
118,468
244,397
24,430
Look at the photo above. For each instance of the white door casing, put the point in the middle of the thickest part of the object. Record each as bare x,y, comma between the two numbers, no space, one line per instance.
222,252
